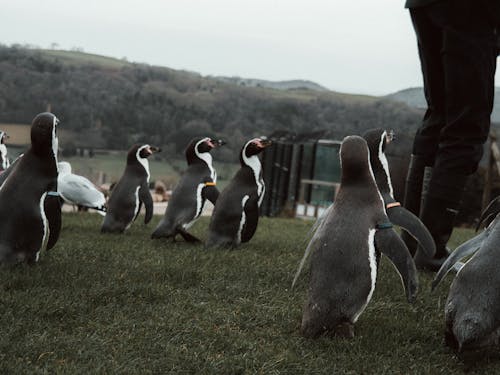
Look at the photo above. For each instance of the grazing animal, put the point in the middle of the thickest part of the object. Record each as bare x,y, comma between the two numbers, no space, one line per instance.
26,215
78,190
4,160
377,140
346,247
472,309
197,185
130,192
236,212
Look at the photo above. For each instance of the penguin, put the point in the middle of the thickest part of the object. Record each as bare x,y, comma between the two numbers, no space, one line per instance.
377,140
236,212
130,192
4,160
24,192
472,308
197,185
78,190
346,247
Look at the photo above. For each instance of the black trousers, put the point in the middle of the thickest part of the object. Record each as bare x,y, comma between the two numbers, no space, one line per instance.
457,49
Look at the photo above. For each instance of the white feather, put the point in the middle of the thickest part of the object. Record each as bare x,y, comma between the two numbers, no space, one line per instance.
45,226
243,219
373,271
143,161
384,162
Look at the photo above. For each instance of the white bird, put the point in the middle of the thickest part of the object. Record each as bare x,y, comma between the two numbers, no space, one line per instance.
75,189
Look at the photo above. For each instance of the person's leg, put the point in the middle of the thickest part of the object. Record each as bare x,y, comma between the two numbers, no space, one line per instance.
469,59
425,145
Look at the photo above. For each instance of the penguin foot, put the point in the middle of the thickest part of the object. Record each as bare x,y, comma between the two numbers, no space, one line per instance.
344,330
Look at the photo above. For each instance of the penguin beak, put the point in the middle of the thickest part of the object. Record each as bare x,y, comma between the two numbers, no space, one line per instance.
153,149
215,143
219,143
264,142
390,136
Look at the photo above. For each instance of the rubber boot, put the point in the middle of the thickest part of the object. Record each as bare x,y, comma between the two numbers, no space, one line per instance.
438,217
438,213
413,193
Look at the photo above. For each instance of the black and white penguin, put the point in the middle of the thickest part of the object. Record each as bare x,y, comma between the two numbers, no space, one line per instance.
130,192
197,185
236,212
377,140
472,309
346,248
4,159
26,215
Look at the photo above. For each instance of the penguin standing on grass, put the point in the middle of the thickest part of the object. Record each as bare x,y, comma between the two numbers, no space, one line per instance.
130,192
24,225
236,212
472,309
377,140
197,185
346,247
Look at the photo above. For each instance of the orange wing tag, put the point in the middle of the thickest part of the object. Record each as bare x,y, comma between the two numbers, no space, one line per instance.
394,204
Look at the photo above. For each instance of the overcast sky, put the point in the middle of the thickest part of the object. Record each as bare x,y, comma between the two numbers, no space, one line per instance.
355,46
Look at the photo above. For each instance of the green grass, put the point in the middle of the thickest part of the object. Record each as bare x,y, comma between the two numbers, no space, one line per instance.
127,304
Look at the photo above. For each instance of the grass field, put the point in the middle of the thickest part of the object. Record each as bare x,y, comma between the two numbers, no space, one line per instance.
127,304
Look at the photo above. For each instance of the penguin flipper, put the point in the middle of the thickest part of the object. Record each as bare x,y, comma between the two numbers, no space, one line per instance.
391,245
467,248
489,212
52,208
405,219
147,199
211,193
251,210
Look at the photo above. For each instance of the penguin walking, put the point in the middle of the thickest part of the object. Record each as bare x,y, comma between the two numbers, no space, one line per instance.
130,192
236,212
24,225
472,309
4,159
197,185
78,190
346,247
377,140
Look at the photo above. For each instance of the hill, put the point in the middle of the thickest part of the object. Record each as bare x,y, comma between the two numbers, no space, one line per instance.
114,103
414,97
277,85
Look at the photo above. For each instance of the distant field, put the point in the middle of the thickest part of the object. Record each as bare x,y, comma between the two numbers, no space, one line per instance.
167,171
20,133
127,304
77,58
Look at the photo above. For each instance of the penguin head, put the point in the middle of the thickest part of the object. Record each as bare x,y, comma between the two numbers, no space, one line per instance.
3,137
377,140
64,167
253,147
354,160
200,146
140,152
44,134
